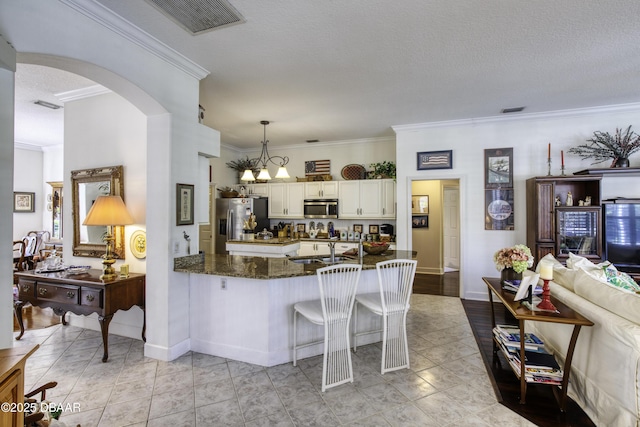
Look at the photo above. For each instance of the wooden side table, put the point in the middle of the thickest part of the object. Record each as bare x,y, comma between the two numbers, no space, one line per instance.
565,315
12,361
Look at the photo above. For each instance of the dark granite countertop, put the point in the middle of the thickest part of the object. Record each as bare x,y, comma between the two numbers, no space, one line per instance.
268,268
274,242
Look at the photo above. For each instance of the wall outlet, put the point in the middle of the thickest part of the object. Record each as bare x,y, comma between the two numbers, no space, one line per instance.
176,247
223,284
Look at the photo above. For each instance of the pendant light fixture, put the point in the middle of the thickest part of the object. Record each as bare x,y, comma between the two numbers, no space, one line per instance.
264,159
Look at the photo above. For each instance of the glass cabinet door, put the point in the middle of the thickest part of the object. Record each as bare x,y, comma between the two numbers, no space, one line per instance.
578,232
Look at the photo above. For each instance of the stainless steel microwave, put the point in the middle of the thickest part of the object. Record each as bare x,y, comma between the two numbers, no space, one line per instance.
321,208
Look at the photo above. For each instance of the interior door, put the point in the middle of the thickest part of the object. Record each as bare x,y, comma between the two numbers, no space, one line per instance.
451,228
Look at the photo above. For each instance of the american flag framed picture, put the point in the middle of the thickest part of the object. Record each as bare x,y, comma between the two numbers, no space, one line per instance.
317,167
435,160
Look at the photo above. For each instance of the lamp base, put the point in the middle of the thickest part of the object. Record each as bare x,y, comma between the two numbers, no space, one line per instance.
108,272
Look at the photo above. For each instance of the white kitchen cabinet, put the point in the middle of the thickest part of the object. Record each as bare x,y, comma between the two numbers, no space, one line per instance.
309,248
388,198
360,199
286,199
321,190
261,190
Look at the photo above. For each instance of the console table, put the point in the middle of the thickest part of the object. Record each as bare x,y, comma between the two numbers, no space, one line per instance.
12,362
83,294
565,315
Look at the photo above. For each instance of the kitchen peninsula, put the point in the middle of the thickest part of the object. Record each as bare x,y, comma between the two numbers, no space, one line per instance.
241,307
275,248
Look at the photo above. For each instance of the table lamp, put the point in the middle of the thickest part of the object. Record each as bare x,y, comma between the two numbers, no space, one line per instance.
108,211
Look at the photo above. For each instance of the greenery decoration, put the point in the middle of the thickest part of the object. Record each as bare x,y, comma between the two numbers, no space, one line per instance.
243,164
385,169
604,146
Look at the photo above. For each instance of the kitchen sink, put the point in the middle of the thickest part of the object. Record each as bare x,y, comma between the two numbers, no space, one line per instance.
336,259
305,260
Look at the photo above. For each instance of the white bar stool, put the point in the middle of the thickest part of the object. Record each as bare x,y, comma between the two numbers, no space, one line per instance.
338,284
395,279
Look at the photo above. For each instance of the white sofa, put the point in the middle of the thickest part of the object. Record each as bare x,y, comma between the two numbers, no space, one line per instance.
605,371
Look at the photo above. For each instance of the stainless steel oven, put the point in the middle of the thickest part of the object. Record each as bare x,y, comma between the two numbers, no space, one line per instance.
321,208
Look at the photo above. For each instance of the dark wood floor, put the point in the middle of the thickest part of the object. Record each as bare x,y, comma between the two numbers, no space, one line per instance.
540,407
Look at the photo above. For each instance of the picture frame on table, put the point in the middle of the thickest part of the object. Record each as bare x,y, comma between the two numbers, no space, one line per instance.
498,168
24,201
184,204
301,228
435,160
374,229
357,228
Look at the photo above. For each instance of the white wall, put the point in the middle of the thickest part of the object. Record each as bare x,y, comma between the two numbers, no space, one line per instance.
529,136
107,130
53,171
27,177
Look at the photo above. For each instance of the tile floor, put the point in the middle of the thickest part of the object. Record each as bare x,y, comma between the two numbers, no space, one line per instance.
447,384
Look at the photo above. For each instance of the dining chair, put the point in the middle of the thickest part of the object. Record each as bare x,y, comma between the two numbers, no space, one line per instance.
395,281
338,284
18,255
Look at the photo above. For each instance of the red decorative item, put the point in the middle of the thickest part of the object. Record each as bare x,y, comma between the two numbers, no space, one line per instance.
546,303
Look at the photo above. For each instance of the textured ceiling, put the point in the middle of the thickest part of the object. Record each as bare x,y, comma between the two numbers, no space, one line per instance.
339,70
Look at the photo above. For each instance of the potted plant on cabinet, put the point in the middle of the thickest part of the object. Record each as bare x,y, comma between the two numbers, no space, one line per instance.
385,169
604,146
243,164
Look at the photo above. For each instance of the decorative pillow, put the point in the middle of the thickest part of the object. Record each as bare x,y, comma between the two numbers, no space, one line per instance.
620,279
562,275
616,300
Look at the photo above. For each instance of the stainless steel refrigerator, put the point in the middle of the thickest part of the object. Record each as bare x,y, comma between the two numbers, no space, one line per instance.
230,217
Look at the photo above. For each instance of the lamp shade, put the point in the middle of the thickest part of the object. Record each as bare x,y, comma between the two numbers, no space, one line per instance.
108,210
282,173
264,174
247,176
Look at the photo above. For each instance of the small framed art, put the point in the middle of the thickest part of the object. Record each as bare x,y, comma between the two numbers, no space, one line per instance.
420,221
184,204
499,213
435,160
374,229
24,202
301,228
357,228
498,167
419,205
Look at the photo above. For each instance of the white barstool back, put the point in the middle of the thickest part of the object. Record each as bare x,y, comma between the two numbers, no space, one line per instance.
338,284
395,280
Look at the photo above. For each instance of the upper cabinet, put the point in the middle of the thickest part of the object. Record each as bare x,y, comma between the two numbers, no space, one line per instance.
557,228
321,190
366,199
286,200
260,190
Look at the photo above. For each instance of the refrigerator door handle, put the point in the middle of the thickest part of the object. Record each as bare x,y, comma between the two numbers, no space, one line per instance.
229,225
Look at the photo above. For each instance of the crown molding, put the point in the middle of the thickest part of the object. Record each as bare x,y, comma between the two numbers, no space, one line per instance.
617,108
77,94
26,146
107,18
306,145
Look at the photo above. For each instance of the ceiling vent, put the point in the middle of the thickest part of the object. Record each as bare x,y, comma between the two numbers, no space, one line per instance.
511,110
199,16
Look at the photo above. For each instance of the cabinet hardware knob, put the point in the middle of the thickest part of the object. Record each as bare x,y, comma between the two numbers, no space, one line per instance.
90,297
71,294
26,288
42,291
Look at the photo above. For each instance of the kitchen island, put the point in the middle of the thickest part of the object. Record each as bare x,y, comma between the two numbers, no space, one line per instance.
242,307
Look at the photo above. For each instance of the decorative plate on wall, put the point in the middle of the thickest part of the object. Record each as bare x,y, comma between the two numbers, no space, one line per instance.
138,244
354,171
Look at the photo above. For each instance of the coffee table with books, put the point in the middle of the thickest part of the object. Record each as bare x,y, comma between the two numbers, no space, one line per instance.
528,355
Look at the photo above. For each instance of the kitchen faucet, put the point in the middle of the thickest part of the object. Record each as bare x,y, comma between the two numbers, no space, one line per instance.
332,248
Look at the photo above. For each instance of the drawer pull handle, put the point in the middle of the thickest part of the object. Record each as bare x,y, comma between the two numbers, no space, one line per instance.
42,291
90,298
71,294
26,288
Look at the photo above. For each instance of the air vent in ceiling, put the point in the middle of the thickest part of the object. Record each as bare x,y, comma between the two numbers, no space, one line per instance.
512,110
199,16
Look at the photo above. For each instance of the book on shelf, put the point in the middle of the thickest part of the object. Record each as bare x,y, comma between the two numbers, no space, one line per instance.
511,334
537,360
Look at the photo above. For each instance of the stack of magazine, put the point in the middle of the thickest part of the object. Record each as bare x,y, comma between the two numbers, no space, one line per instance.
540,366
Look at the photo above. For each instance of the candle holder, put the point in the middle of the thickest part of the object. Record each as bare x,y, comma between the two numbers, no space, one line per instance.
546,303
549,166
562,170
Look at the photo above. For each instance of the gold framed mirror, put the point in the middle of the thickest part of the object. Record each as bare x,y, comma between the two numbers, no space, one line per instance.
87,185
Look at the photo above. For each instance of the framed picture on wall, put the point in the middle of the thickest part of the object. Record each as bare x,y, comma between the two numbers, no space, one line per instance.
301,228
357,228
498,167
184,204
419,205
24,202
374,229
435,160
499,213
420,221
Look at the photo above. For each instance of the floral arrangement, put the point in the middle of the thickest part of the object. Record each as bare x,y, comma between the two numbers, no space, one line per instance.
604,146
517,257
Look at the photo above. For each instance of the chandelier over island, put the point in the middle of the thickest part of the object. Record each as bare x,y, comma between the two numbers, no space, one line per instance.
264,159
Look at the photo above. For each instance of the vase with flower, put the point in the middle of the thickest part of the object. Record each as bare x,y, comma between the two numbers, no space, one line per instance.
512,261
